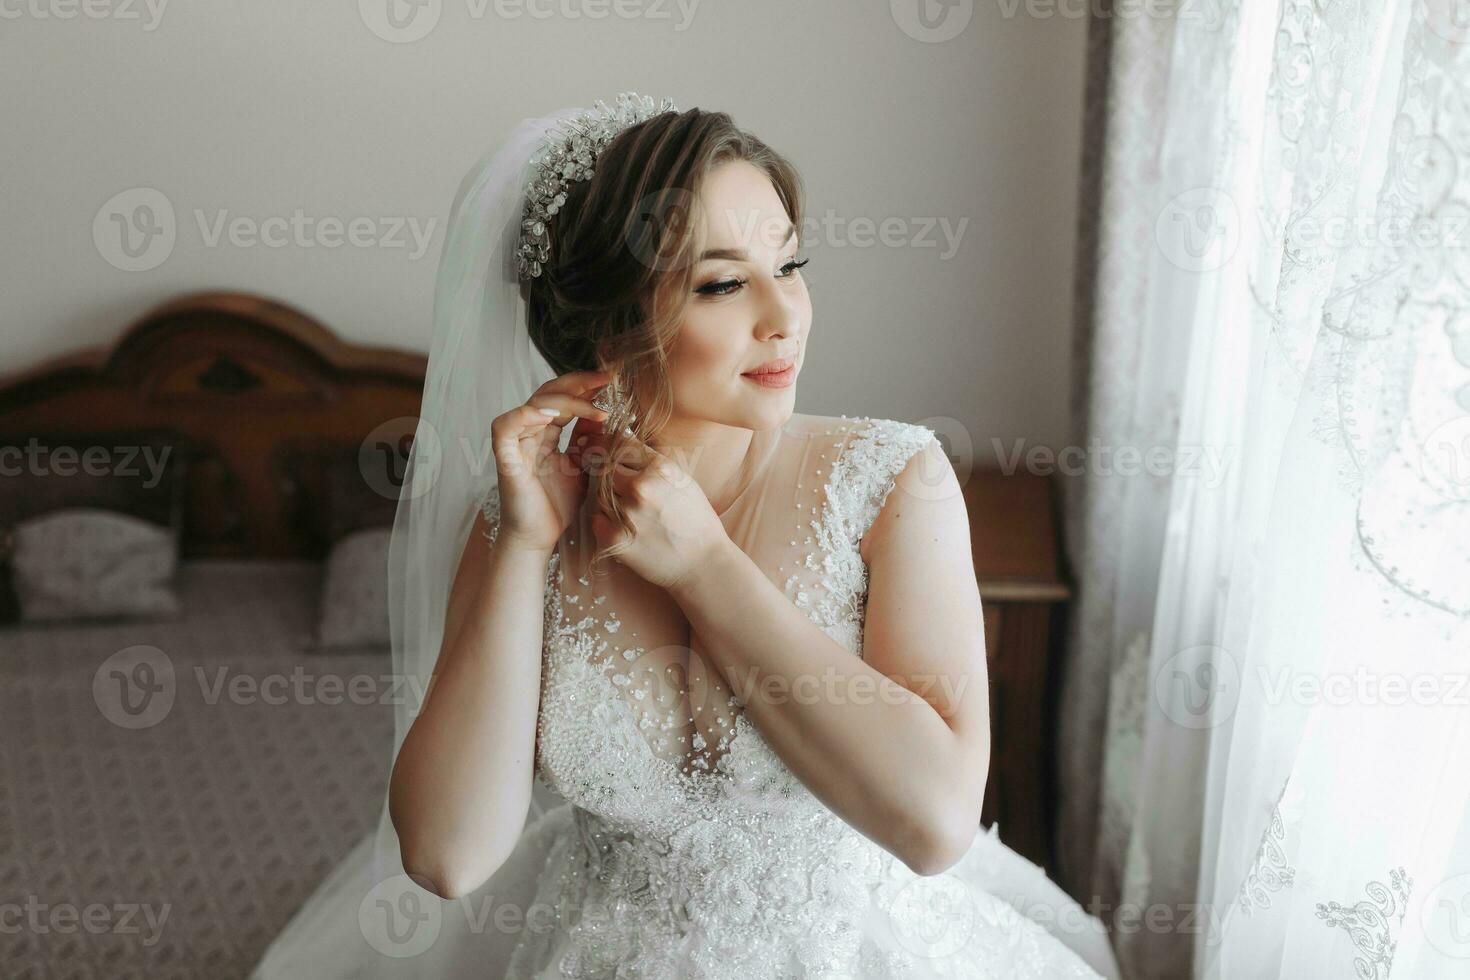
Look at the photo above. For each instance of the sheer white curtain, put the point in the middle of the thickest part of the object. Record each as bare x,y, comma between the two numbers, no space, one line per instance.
1287,773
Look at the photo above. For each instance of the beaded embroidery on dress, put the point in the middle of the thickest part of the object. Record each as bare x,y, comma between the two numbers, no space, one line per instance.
687,848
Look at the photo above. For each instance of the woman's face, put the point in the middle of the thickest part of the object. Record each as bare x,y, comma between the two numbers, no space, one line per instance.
750,306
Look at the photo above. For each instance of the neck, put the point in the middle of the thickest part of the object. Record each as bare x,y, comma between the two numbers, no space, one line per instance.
715,455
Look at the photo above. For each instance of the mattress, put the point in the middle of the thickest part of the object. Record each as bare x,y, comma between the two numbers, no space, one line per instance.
146,838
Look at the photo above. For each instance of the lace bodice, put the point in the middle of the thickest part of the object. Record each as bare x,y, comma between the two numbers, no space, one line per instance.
691,849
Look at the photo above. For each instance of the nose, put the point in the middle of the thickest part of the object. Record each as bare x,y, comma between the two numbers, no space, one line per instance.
779,311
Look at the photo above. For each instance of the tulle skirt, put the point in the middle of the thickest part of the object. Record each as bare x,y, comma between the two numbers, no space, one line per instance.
994,914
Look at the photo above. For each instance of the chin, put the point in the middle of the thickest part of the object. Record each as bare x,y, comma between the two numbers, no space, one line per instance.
775,411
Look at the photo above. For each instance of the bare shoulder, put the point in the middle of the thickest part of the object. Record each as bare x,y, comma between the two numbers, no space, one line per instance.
919,496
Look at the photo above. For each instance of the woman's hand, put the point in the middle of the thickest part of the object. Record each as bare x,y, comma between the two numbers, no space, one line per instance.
541,488
675,528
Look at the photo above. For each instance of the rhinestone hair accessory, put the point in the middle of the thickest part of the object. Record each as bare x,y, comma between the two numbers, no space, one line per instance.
569,154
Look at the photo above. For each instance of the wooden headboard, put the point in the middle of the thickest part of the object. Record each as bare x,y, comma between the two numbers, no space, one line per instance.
250,384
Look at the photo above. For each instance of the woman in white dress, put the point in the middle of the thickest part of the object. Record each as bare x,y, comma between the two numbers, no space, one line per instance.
709,695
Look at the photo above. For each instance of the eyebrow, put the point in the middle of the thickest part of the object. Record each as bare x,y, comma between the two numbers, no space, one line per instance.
738,254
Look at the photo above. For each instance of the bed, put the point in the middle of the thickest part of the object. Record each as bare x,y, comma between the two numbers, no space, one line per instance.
180,847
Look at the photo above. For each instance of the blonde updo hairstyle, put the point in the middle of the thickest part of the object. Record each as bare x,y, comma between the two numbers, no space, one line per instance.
612,293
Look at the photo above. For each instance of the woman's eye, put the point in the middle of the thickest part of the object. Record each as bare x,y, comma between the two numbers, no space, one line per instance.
724,287
721,287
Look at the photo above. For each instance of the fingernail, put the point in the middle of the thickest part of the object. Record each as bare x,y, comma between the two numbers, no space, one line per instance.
552,412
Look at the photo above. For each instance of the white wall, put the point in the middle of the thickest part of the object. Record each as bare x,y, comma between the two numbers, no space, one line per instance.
257,109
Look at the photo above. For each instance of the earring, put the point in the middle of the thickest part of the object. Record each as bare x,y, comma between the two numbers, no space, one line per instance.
617,402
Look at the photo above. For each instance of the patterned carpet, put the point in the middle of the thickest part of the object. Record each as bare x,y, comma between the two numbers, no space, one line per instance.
154,840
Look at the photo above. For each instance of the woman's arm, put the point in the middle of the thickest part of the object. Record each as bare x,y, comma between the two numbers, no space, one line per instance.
461,784
898,742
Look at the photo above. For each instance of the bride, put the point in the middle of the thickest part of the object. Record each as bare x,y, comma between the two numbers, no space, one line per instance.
705,685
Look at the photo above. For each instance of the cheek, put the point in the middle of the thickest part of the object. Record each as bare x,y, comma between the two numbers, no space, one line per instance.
702,352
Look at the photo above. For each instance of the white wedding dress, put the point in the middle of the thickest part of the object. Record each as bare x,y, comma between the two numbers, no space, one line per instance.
680,845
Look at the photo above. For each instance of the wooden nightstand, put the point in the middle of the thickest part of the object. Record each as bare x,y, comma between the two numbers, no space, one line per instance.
1014,538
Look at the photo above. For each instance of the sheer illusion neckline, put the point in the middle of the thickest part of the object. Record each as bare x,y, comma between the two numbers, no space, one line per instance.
755,464
688,727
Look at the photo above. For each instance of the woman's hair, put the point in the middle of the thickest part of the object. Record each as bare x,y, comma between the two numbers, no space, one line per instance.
621,271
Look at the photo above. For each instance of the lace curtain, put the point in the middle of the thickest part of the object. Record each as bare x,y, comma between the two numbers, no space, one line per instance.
1274,626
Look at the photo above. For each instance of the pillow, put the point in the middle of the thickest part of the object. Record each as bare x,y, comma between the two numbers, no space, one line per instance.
354,597
136,472
86,563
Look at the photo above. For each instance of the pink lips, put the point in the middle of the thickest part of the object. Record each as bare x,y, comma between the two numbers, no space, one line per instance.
774,374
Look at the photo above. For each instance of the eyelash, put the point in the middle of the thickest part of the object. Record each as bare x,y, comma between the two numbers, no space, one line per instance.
725,287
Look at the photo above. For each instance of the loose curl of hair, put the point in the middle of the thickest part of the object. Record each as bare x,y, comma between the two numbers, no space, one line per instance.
621,270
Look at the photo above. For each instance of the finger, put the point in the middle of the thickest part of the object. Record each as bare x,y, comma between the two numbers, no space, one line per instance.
587,442
643,459
633,451
507,434
628,481
568,407
600,469
552,394
559,410
588,437
575,382
532,418
598,451
524,426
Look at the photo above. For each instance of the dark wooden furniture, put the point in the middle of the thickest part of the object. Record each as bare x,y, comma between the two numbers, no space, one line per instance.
1014,538
256,393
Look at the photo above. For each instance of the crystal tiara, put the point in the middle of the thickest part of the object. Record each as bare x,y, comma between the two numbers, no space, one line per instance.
569,153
